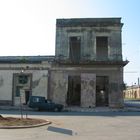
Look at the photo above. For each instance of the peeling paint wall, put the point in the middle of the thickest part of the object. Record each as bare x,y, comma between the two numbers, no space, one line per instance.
59,81
40,83
116,89
59,84
88,90
88,30
88,41
6,79
115,45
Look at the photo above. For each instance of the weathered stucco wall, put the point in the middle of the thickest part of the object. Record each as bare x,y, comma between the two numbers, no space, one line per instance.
88,90
88,30
115,45
6,79
88,41
58,86
40,82
116,89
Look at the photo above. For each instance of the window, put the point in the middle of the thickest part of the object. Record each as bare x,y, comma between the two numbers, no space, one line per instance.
75,45
36,100
23,79
102,48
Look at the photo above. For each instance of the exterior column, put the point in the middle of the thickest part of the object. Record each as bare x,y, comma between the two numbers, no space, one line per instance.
88,90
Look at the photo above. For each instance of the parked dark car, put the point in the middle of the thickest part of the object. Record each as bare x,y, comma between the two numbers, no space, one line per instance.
40,103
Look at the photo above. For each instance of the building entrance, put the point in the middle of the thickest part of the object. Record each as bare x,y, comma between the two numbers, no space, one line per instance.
74,90
102,83
27,96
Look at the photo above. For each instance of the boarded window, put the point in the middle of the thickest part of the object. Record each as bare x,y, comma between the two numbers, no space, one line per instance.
102,48
75,43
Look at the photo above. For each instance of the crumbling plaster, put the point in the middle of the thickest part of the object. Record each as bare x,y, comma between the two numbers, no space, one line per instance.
59,84
88,41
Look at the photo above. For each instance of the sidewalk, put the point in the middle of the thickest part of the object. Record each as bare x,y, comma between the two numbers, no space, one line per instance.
24,107
102,109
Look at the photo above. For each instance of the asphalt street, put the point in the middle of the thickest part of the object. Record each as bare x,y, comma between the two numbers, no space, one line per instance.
77,126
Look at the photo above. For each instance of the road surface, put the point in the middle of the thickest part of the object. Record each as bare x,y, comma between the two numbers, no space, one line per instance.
77,126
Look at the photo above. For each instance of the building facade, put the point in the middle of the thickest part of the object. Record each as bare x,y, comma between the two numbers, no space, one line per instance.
132,92
86,71
21,77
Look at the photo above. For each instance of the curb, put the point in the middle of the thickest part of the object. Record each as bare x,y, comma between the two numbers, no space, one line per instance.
28,126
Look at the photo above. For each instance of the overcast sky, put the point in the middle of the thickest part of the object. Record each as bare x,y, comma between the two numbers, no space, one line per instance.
27,27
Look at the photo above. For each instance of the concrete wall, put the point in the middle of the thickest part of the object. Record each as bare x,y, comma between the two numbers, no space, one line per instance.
88,41
6,79
38,84
116,89
115,45
88,30
59,84
88,90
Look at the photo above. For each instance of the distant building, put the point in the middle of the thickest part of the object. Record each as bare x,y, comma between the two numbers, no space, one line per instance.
132,92
86,71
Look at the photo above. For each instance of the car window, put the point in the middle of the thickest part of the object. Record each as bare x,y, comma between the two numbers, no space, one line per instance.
49,101
36,100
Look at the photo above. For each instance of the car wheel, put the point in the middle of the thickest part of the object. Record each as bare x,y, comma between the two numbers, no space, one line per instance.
56,109
39,109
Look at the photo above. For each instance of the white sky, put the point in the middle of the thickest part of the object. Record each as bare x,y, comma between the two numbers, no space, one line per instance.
27,27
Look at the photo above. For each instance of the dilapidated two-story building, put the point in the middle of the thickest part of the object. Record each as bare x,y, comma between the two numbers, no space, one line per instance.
86,71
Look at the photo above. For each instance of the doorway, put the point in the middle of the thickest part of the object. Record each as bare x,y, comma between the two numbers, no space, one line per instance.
27,96
74,90
21,88
102,83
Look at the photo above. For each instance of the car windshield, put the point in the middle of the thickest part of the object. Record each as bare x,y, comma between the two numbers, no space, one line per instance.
36,100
